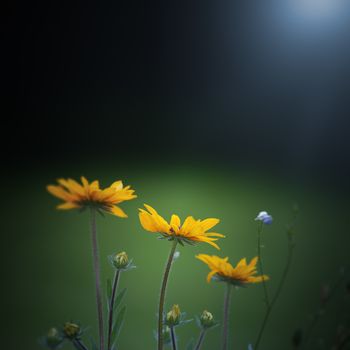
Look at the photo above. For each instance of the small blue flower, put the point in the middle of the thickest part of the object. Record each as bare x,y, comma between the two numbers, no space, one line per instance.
250,347
264,217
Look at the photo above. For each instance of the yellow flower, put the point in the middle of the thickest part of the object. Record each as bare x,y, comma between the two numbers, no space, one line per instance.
77,195
240,275
191,231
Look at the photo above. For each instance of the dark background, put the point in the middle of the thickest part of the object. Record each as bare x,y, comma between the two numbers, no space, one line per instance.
210,108
242,81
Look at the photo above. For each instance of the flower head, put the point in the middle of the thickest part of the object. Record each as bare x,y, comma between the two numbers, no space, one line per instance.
71,330
76,195
264,217
191,231
53,339
173,316
121,260
207,319
240,275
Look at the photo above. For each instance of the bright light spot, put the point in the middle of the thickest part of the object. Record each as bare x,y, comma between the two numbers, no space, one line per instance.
317,9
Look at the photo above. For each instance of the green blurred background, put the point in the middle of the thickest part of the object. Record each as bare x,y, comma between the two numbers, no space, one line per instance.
207,108
49,279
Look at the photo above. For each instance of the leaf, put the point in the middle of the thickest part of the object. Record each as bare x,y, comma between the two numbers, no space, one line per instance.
119,298
190,345
118,323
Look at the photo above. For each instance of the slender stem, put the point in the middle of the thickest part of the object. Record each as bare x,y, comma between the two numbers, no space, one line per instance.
162,294
260,229
226,316
278,292
316,318
200,340
111,306
79,345
344,342
173,338
96,263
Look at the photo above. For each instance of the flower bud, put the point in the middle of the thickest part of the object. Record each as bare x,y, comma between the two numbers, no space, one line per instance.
207,319
53,338
121,260
71,330
173,316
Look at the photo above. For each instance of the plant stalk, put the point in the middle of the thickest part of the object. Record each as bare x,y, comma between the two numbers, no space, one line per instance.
260,229
162,294
277,294
226,316
200,340
79,345
111,307
97,271
173,338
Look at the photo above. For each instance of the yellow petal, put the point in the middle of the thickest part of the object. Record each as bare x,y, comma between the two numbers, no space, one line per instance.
188,224
253,262
147,221
118,212
207,224
258,279
85,182
242,262
214,234
117,185
75,187
210,275
175,220
68,205
59,192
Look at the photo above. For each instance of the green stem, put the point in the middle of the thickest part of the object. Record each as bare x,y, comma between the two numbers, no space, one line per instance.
278,292
96,265
321,311
111,307
173,338
226,316
200,340
260,229
162,294
79,345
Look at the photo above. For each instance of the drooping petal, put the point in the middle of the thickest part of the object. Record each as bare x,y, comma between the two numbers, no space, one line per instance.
210,275
118,212
68,205
147,221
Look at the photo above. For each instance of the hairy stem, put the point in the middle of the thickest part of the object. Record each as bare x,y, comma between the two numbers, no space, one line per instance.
200,340
226,317
79,345
162,295
111,307
260,229
173,337
96,265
